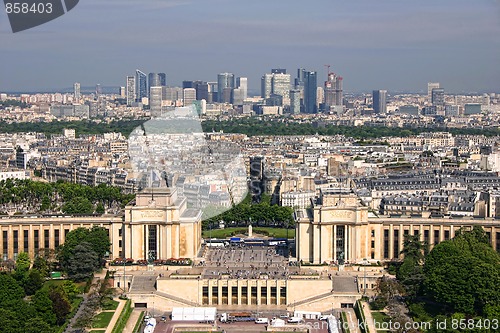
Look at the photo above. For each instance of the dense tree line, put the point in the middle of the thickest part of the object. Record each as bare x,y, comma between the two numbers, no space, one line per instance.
458,280
279,126
259,214
28,196
251,126
27,304
81,127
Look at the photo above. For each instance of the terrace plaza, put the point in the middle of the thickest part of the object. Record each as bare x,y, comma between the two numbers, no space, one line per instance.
338,229
238,277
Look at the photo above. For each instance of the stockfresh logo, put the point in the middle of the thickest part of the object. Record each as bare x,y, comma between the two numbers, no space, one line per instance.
26,14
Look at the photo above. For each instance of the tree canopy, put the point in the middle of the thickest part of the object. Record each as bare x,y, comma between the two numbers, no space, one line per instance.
38,197
463,274
83,251
258,214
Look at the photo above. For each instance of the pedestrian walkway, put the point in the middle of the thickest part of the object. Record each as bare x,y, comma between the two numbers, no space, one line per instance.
352,320
365,307
117,314
134,317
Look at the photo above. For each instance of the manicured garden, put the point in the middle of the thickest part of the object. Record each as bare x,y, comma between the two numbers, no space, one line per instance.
102,319
269,232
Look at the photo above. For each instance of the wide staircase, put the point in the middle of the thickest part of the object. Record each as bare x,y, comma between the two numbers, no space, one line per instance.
341,284
345,284
146,284
143,284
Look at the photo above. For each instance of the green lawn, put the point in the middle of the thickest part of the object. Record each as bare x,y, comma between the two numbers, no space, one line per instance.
110,305
228,232
379,318
97,331
49,283
102,320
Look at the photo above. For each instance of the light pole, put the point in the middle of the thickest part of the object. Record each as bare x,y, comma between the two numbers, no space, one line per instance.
364,279
124,290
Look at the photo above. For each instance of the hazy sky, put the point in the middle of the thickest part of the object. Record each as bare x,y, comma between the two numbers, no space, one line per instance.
374,44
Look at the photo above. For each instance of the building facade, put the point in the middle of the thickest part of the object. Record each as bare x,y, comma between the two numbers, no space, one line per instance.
339,229
158,225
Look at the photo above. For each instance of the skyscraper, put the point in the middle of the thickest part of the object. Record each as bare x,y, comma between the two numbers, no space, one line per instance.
380,101
76,92
189,96
333,91
281,86
213,95
310,91
157,80
155,96
163,79
437,97
430,86
295,101
224,80
130,86
278,71
266,82
201,91
98,90
141,85
299,80
242,83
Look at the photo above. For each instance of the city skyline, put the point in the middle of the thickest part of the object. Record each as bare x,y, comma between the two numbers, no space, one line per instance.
384,45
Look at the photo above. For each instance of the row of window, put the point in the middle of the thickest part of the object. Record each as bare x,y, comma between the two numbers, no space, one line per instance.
22,245
247,293
427,240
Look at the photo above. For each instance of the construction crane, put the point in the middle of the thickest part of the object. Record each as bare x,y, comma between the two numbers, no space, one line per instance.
327,70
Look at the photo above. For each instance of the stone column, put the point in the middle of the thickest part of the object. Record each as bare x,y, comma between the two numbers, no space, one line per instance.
334,242
346,248
391,241
209,293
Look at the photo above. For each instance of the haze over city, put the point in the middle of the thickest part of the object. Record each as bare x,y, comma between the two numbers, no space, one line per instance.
374,45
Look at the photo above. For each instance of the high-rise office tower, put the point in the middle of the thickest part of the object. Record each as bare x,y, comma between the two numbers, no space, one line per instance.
172,93
189,96
280,85
430,86
155,96
278,71
379,101
224,81
310,91
333,91
242,83
266,82
98,90
122,92
76,92
295,101
157,80
212,92
237,98
163,79
201,91
299,80
188,84
130,87
141,85
437,97
227,95
320,97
